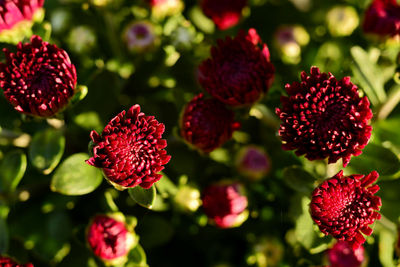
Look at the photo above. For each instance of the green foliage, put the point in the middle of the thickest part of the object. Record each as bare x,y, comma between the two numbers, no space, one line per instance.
12,169
144,197
75,177
46,149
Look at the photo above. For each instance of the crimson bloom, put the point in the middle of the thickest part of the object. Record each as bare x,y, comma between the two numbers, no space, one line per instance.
207,124
15,11
8,262
343,255
324,118
383,18
109,239
38,79
344,206
225,205
224,13
239,71
130,149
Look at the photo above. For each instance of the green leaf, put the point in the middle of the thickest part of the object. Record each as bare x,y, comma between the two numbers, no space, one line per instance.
136,257
46,149
368,75
89,120
378,158
304,229
166,187
12,169
386,248
201,21
75,177
298,179
80,93
144,197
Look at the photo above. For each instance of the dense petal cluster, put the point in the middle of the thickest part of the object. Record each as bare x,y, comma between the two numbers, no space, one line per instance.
224,13
383,18
38,79
343,255
344,206
15,11
108,238
8,262
224,204
324,118
130,149
206,123
239,71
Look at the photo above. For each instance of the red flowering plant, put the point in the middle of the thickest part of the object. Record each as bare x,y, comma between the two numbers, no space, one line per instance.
239,71
206,123
225,204
323,117
38,79
382,18
181,95
110,238
130,150
224,13
343,255
8,262
345,206
17,17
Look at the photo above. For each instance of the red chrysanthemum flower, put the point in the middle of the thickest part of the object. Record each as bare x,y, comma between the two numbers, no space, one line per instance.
8,262
239,71
207,123
39,79
343,255
324,118
383,18
130,149
224,204
344,206
108,238
224,13
14,11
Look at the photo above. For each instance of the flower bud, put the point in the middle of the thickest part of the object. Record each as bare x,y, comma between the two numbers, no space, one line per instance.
253,162
342,20
38,79
17,17
110,238
140,36
343,255
225,204
188,198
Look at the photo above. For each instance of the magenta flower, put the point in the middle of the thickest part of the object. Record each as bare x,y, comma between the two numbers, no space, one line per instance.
343,255
253,162
239,71
344,206
130,149
109,239
383,18
140,36
324,118
224,13
15,11
224,205
8,262
206,123
39,79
